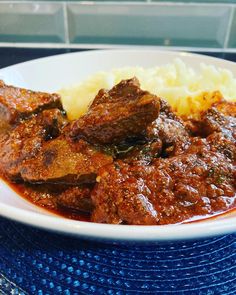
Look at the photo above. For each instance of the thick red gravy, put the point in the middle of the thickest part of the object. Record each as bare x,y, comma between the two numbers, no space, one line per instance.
46,201
37,197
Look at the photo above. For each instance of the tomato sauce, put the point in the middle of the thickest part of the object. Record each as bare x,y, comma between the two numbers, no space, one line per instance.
47,201
36,198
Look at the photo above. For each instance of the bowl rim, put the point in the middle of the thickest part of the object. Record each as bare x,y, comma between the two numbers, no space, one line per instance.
185,231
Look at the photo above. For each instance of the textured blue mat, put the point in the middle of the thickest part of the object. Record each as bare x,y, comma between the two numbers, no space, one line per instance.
39,262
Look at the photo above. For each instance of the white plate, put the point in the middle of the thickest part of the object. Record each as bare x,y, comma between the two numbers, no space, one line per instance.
52,73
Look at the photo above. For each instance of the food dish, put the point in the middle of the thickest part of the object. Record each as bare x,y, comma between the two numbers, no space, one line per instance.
118,135
130,159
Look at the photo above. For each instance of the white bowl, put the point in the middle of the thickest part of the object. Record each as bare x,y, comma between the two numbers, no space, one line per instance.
52,73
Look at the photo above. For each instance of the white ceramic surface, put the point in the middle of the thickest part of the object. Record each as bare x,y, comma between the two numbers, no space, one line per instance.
52,73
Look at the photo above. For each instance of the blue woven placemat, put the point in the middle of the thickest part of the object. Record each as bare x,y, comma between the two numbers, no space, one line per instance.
34,261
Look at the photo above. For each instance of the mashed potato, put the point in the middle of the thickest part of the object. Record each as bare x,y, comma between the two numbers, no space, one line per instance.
187,90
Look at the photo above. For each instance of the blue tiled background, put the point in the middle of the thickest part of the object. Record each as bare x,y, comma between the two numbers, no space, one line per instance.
191,24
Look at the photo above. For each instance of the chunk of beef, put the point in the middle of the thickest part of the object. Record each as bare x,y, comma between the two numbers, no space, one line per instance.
63,161
215,142
125,90
76,199
218,142
168,191
121,197
166,136
18,103
124,111
170,129
220,117
214,121
25,140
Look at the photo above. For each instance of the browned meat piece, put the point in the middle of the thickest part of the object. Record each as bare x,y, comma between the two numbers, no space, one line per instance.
76,199
101,97
215,142
125,90
122,197
170,129
25,140
166,136
124,111
63,161
221,117
170,190
115,122
218,142
128,89
18,103
214,121
225,107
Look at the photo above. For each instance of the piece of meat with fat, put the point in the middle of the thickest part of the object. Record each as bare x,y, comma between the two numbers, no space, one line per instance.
66,162
19,103
171,190
25,140
122,112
